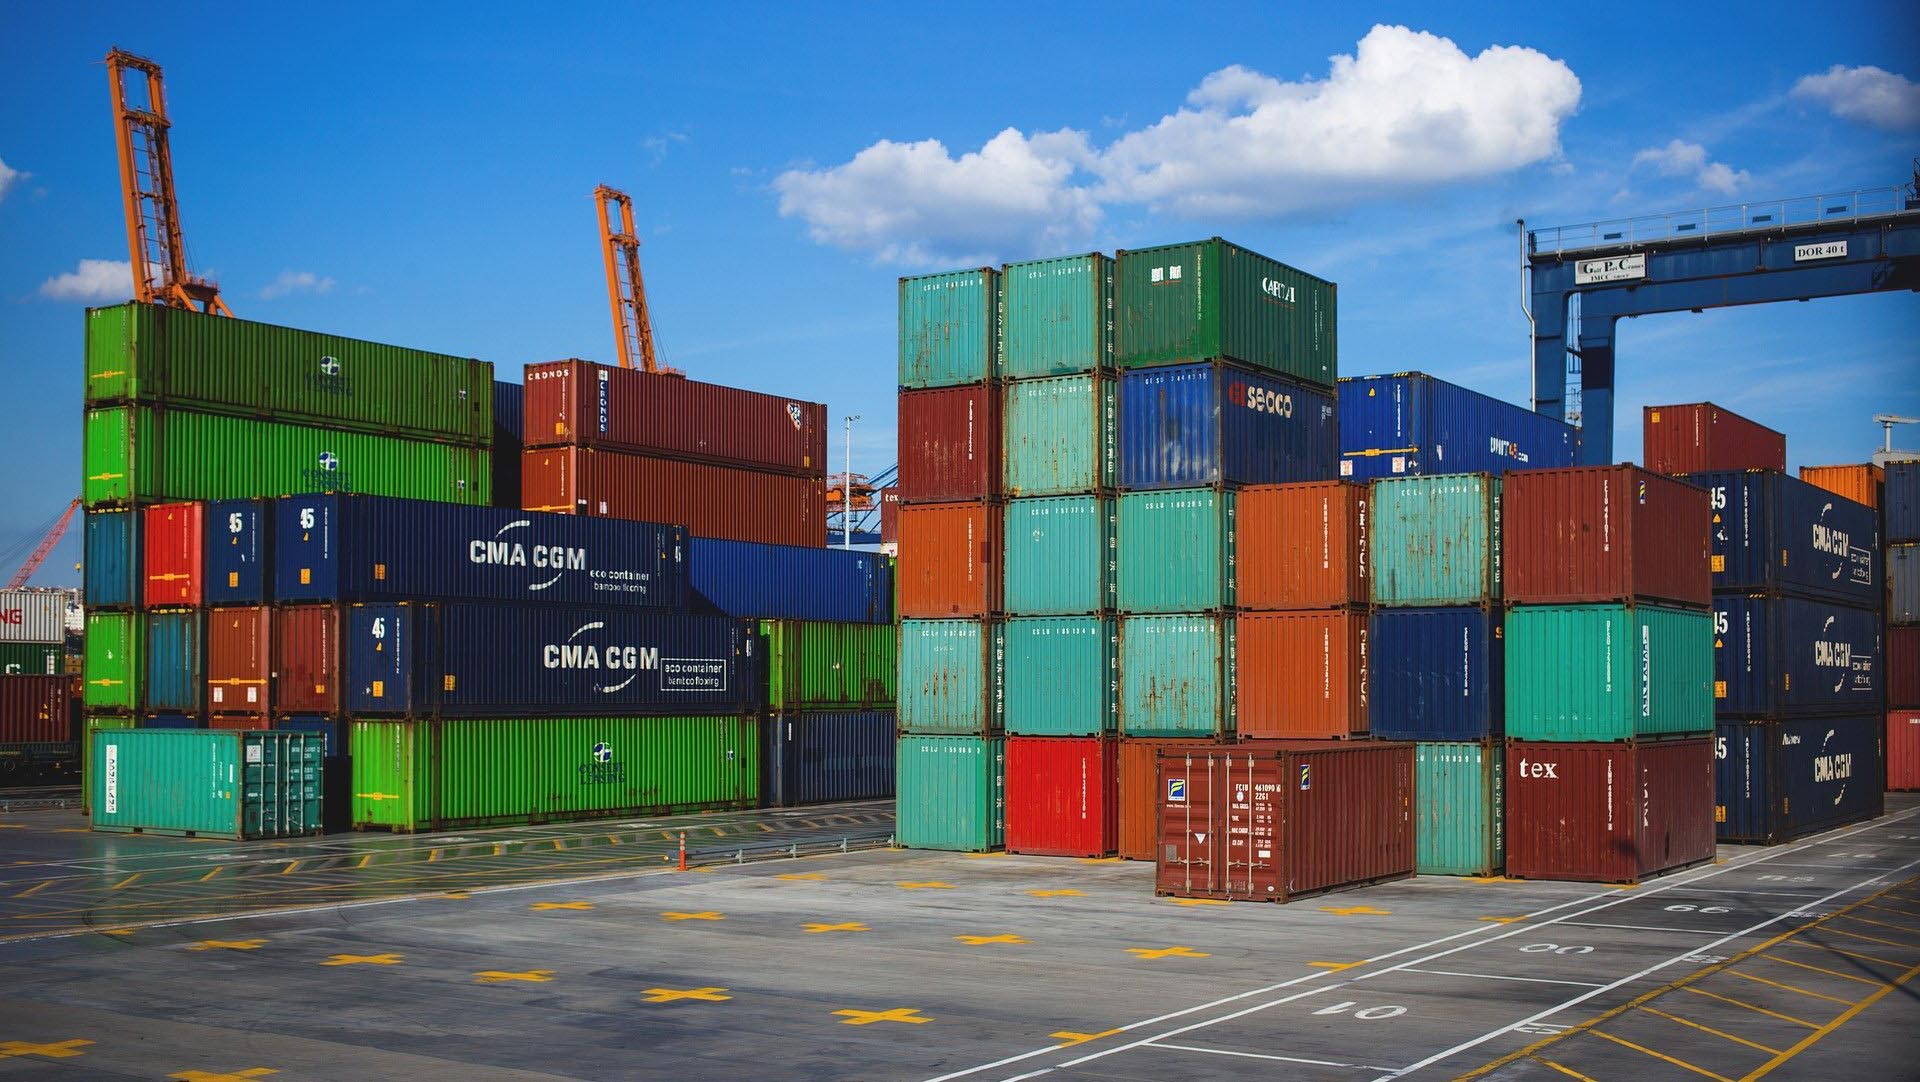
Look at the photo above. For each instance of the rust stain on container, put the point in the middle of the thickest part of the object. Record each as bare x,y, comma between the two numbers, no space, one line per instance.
949,560
1302,675
710,501
239,660
1606,533
1303,546
950,444
1608,813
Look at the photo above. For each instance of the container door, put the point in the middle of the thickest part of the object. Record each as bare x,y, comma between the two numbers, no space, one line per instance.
1187,856
1251,804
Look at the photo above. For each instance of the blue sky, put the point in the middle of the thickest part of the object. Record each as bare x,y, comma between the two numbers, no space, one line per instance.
424,177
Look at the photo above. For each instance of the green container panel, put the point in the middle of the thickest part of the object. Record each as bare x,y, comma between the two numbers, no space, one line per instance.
430,775
951,793
110,671
194,782
32,657
1058,558
1177,676
1056,316
814,664
1435,540
1058,435
949,328
1062,675
1458,792
94,723
1608,672
144,454
1206,300
1176,550
950,677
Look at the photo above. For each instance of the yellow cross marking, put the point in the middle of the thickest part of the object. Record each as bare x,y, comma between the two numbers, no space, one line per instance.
116,931
668,995
850,926
983,940
363,960
1503,920
496,976
539,906
232,1076
227,945
898,1014
1356,911
1069,1038
56,1050
1198,901
1488,879
1151,953
1101,860
1067,893
931,884
800,875
1335,966
706,915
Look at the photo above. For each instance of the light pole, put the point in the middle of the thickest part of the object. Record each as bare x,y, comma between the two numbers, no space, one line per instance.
846,490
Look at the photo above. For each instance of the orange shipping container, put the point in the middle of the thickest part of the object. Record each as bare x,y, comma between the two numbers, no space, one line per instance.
1903,752
1140,793
949,560
1302,546
1302,675
1860,482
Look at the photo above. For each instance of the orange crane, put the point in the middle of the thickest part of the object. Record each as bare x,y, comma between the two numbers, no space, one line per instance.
626,290
40,551
154,239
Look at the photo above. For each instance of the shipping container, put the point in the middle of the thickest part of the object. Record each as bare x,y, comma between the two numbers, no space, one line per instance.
1214,424
1608,813
1459,808
1177,676
1903,584
1059,436
33,616
1701,436
306,659
812,665
1274,821
1211,300
1062,675
90,726
237,552
1604,533
32,657
1772,532
207,783
1859,482
1608,672
950,560
950,450
890,515
1411,424
1306,546
237,723
1903,750
1436,540
171,721
950,680
176,661
1438,674
821,758
1900,499
112,668
1903,666
790,582
1062,796
173,540
434,775
949,328
110,560
1058,555
509,430
1780,780
336,767
1302,675
333,732
1139,793
36,709
175,358
710,501
240,661
1176,550
1056,316
951,793
1792,657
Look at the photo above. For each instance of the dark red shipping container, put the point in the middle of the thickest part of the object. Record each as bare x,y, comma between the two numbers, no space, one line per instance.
1302,546
1605,533
950,444
1608,813
1701,436
582,404
1274,820
1903,667
1903,750
710,501
234,723
1139,792
949,562
1061,795
1301,675
306,659
239,660
173,550
889,515
36,708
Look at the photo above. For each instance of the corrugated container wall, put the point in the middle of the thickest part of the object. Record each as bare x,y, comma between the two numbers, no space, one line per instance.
1306,546
1059,555
1061,675
1413,424
1209,299
33,658
238,551
112,673
1608,813
1302,675
111,560
1214,424
1176,550
1438,674
1903,666
33,616
1903,584
1859,482
1901,501
1139,793
950,677
1436,540
1459,808
240,661
1605,533
1176,676
1056,316
1779,780
1788,656
1061,796
36,709
1903,750
1701,436
951,792
815,665
951,445
201,782
1608,672
176,661
948,327
711,501
1060,436
1772,532
819,758
790,582
90,725
173,536
951,561
306,659
509,425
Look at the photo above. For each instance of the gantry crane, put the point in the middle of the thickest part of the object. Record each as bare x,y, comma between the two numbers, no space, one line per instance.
39,556
626,290
154,239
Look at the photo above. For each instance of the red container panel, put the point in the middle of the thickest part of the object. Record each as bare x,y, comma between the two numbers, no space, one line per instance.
1301,675
1061,794
239,660
1701,436
1903,667
173,549
36,708
950,444
1903,750
306,659
710,501
234,723
1605,533
1608,813
1302,546
949,561
1139,788
889,515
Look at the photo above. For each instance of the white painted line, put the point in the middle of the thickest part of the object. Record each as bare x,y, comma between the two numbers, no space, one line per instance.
1638,927
1494,977
1830,867
1262,1055
1764,893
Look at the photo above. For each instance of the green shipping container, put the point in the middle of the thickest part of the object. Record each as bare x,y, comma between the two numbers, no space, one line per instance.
110,673
31,657
1461,815
156,355
1058,435
1176,550
951,793
1209,300
1056,316
144,454
1058,558
1177,676
94,723
948,328
950,677
818,665
1608,672
207,782
430,775
1062,675
1436,540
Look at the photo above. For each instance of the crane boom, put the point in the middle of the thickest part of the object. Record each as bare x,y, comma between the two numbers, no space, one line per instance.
154,239
626,290
45,546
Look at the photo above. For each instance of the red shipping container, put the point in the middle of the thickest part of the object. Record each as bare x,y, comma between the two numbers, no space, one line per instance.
1605,533
1302,546
889,515
306,659
1301,675
239,661
582,404
173,548
1608,813
1139,792
1903,667
710,501
233,723
949,560
36,708
1702,436
950,444
1061,795
1903,750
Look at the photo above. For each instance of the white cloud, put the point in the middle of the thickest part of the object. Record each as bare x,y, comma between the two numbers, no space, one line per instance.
1868,94
658,145
1683,159
291,282
93,280
9,177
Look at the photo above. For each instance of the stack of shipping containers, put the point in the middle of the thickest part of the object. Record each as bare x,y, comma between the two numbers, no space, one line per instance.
1902,520
33,632
39,701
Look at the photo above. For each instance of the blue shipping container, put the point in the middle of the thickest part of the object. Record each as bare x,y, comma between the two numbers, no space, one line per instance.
1901,501
236,545
1774,532
110,560
376,548
176,661
790,582
1213,423
1437,674
1411,423
820,758
509,430
171,721
1783,656
1780,780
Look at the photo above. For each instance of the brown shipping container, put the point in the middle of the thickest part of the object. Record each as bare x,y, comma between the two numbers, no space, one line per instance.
950,444
1903,666
306,659
949,560
1302,546
1302,675
582,404
710,501
1608,813
1605,533
1140,792
1273,820
1859,483
239,660
889,515
235,723
1702,436
36,708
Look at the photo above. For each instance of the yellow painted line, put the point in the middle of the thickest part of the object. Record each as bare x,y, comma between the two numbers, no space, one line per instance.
247,1075
1069,1038
707,915
670,995
932,884
1067,892
613,839
128,881
497,976
1890,909
227,945
1869,939
985,940
364,861
433,856
801,875
1789,988
1710,1029
1849,954
1198,901
1503,920
1356,911
56,1050
1155,953
291,866
1845,1017
216,871
363,960
1884,924
37,888
1622,1041
897,1014
1751,1007
1568,1071
1335,966
544,906
1821,969
850,926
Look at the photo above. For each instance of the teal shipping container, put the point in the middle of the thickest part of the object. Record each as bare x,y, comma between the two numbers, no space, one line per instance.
1460,816
110,560
1608,672
1059,435
1056,316
950,677
1177,676
948,328
207,782
1176,550
1436,540
176,660
1211,300
1058,558
950,793
1062,675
